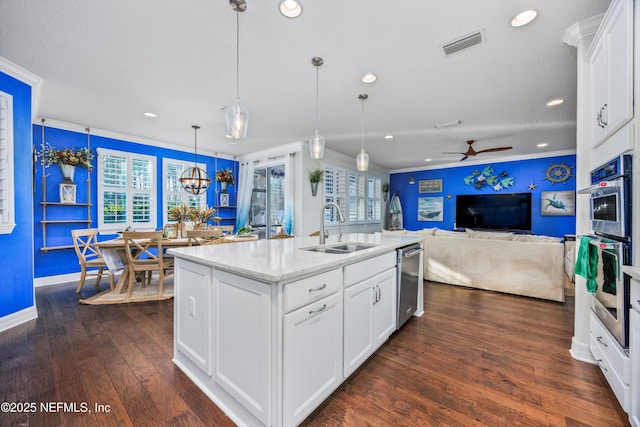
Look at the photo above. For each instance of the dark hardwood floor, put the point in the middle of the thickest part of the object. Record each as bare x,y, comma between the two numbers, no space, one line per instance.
474,358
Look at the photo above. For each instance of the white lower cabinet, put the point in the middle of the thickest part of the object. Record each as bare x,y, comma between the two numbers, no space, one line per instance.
312,357
369,317
634,353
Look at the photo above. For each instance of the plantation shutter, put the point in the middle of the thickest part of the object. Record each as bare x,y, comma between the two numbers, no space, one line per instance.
7,203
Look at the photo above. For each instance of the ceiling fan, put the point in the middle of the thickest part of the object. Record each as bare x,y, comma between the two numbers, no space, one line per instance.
471,152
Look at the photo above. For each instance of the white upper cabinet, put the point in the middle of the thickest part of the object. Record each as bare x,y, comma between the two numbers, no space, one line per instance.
611,63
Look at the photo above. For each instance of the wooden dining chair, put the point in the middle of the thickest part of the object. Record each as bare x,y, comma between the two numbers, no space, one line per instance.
145,255
91,260
281,236
202,237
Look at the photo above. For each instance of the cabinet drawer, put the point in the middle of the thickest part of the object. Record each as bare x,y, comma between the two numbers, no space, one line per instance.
635,294
618,385
362,270
602,341
306,291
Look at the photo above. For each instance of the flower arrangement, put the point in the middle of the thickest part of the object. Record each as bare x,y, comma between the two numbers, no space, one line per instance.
73,157
225,175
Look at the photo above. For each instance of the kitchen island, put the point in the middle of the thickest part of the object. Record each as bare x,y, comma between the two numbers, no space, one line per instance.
269,329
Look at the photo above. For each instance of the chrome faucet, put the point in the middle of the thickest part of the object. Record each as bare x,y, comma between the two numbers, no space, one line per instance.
340,216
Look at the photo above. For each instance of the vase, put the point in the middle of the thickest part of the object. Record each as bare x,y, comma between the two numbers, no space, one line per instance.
314,189
68,171
223,186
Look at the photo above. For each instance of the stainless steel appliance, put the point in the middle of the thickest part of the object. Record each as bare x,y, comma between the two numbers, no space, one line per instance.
409,268
611,198
611,301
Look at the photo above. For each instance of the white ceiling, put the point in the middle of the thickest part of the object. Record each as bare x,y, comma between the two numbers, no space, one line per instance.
104,63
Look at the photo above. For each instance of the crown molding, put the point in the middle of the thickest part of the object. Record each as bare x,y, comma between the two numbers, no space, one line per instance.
25,76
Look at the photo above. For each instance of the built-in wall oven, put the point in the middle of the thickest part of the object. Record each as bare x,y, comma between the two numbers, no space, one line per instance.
610,197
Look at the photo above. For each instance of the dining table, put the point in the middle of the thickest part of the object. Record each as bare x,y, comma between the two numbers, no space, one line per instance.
113,252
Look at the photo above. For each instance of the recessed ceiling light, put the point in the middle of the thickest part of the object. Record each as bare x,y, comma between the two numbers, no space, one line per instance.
290,8
524,18
427,160
369,78
542,145
148,114
555,102
388,137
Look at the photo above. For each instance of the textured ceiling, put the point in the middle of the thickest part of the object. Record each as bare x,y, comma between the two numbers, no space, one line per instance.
104,63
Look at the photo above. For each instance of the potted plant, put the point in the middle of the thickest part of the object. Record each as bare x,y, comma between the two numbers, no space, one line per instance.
385,190
225,177
315,176
67,159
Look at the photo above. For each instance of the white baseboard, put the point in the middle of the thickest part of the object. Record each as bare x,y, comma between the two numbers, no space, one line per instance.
580,351
18,318
56,280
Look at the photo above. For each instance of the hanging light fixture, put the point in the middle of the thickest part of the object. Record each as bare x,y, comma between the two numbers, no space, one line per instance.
237,115
290,8
362,161
195,180
316,142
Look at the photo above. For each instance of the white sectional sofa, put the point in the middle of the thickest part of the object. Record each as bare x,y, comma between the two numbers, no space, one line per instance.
512,263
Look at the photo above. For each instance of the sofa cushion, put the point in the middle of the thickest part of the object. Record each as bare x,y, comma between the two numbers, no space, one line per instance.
538,239
447,233
491,235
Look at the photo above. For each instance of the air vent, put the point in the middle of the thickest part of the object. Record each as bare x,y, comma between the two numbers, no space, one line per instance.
464,42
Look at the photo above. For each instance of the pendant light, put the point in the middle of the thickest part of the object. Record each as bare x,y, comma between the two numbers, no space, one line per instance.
316,142
362,161
195,180
237,116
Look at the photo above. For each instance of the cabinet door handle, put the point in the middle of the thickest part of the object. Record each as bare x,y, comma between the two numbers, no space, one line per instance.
598,118
378,293
604,344
603,116
324,307
318,288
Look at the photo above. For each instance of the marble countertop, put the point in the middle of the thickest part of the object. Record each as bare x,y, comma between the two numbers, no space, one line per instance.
631,271
282,260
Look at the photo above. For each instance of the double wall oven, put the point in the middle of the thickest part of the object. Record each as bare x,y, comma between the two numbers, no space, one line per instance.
610,198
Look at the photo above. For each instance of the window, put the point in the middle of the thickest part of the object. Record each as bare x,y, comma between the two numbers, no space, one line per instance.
7,203
357,194
126,191
173,194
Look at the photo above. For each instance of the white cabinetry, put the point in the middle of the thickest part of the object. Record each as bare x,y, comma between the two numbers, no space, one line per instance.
369,310
611,62
312,346
612,359
634,353
312,357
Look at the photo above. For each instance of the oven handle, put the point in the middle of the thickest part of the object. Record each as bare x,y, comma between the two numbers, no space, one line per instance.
613,183
606,245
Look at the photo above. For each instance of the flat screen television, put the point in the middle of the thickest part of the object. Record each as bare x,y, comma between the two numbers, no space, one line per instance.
494,211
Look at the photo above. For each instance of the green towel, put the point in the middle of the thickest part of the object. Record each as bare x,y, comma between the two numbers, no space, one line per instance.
587,263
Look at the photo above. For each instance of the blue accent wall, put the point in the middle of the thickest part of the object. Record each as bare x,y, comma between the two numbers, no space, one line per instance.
56,262
524,172
16,249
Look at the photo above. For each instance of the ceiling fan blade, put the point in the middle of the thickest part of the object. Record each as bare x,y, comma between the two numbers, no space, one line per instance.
453,152
464,158
488,150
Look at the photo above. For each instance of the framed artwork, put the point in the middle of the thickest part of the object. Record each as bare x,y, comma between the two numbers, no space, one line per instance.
224,199
430,208
430,186
558,203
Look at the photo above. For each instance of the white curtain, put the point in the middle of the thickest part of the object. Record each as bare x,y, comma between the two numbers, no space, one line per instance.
289,173
245,185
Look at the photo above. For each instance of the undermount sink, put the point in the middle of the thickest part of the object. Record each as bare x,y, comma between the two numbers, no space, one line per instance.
342,248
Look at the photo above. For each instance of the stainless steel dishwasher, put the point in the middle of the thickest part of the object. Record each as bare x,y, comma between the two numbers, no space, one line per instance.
408,281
